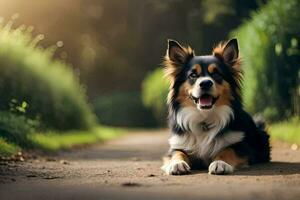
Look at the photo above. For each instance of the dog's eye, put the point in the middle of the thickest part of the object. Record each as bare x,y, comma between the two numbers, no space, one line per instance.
193,76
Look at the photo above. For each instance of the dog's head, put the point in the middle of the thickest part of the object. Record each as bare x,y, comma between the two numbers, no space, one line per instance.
206,81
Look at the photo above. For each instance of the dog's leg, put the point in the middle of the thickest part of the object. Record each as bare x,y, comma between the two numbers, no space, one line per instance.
177,164
226,162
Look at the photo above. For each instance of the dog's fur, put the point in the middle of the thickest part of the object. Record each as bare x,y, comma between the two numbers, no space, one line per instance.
208,123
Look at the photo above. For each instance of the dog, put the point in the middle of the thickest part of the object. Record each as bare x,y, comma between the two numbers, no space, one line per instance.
209,127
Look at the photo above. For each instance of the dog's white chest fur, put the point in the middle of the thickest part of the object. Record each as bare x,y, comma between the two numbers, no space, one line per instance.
202,141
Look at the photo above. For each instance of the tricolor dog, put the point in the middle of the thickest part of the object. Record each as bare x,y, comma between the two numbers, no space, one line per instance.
209,127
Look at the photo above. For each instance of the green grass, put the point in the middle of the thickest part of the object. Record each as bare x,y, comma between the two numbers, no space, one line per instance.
54,140
288,131
7,149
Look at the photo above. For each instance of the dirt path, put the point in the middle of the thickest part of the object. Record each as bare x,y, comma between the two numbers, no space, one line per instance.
129,168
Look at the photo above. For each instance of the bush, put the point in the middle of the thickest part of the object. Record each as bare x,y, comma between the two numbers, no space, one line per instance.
154,94
15,129
269,44
7,149
123,109
49,88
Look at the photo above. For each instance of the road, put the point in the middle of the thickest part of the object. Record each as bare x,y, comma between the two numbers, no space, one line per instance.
129,168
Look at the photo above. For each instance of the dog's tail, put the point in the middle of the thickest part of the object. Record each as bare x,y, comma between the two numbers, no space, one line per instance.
263,138
260,121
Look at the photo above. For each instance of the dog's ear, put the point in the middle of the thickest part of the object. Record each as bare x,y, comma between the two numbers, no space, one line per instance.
229,54
175,59
177,54
229,51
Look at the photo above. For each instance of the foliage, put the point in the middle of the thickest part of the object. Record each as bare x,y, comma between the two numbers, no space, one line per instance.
287,131
123,109
34,84
271,54
7,149
109,49
154,94
269,44
15,129
114,52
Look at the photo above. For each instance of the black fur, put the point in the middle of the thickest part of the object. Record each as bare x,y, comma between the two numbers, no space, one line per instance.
255,145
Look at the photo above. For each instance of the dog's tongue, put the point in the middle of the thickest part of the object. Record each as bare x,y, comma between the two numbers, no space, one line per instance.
206,100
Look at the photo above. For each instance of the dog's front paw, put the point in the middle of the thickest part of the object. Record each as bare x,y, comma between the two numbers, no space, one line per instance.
176,167
220,167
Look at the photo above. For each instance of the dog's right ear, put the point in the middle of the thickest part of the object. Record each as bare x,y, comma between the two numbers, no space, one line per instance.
177,54
175,59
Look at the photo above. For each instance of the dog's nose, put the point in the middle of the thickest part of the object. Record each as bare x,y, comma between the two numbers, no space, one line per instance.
206,84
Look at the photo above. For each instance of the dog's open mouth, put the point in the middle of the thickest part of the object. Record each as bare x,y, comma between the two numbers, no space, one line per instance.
205,101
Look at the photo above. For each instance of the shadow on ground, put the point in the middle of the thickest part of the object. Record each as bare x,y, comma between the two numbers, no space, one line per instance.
267,169
272,168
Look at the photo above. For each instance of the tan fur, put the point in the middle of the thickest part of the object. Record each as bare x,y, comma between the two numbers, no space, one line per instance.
197,68
224,94
223,91
235,65
177,155
184,95
211,68
172,69
229,156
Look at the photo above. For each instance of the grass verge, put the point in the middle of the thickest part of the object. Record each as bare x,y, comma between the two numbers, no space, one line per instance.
7,149
53,140
287,131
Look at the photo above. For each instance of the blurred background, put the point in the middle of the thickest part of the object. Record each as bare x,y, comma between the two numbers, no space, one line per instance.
74,64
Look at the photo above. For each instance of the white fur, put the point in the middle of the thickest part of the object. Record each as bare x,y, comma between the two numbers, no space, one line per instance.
196,91
220,167
204,144
176,167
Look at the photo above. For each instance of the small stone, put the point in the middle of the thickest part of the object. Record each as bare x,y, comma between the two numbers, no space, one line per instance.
135,159
131,184
50,159
51,177
151,175
294,147
64,162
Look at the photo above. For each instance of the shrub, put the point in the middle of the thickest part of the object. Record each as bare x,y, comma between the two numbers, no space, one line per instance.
7,149
154,94
15,128
269,44
123,109
29,74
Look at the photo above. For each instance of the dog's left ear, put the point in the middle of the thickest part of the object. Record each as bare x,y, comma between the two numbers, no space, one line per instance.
231,51
228,52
